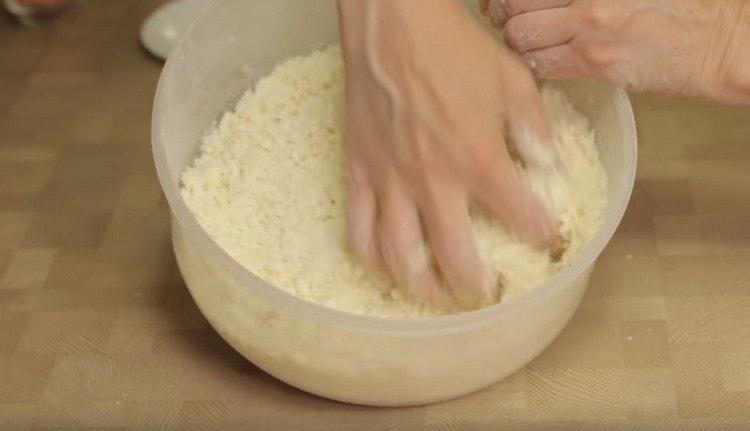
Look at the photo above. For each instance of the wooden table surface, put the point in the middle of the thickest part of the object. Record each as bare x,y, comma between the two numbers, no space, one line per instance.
97,329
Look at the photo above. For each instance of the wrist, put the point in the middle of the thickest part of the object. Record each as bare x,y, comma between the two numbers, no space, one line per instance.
394,23
399,16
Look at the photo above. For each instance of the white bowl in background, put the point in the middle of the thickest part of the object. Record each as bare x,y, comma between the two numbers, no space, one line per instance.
163,29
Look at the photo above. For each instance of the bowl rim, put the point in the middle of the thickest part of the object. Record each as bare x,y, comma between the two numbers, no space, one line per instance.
401,326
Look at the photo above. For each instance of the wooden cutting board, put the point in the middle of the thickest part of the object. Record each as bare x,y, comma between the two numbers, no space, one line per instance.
98,331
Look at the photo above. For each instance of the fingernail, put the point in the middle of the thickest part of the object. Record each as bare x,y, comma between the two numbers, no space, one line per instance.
474,300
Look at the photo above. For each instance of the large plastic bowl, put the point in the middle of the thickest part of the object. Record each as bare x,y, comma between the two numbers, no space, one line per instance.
357,359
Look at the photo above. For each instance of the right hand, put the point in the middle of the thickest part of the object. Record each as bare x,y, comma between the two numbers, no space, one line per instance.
430,99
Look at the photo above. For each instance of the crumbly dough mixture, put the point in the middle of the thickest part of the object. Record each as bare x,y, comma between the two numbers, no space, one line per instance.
269,187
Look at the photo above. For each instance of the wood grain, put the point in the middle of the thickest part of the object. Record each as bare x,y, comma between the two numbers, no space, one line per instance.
97,330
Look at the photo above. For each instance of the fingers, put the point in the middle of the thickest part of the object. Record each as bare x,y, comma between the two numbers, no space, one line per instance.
495,11
361,218
448,224
500,11
517,7
542,29
510,201
403,248
558,62
528,132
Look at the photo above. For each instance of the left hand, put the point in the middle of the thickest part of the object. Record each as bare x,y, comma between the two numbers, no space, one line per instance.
693,48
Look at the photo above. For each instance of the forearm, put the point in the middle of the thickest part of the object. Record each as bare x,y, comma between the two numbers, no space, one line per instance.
736,73
729,61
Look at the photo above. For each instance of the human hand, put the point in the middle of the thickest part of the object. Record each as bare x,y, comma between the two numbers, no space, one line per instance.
430,97
676,47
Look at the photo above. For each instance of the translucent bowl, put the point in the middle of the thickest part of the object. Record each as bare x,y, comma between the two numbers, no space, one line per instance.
356,359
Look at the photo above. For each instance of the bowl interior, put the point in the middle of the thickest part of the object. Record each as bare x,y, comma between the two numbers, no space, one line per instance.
236,42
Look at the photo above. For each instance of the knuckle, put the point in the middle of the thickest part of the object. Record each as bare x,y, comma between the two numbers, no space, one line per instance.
599,15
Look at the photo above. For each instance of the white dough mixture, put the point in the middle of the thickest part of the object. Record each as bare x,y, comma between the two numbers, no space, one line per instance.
269,186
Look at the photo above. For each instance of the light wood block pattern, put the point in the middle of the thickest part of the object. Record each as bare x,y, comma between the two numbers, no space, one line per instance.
97,330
